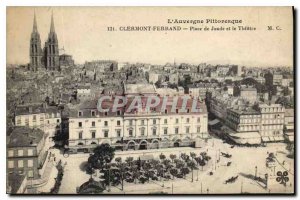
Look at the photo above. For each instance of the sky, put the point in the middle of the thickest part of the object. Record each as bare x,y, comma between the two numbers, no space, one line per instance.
82,31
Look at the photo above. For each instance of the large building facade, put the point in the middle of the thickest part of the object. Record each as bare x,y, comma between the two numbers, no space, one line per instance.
135,130
49,56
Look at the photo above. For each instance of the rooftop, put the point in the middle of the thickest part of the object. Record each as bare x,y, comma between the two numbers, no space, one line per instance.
139,88
14,182
24,137
35,109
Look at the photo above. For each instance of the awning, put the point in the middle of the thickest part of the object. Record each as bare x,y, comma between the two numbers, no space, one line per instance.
246,138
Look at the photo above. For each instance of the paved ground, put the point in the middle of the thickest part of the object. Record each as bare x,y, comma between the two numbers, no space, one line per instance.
244,160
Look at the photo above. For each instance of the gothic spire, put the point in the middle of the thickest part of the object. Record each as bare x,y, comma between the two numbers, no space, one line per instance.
52,29
34,30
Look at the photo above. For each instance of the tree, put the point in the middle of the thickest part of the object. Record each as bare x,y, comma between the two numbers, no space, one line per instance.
89,169
172,157
162,156
102,155
167,163
202,163
192,165
184,171
184,157
118,159
179,164
136,173
129,160
193,155
173,172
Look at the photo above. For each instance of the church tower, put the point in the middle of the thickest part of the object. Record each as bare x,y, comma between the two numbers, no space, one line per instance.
51,54
35,48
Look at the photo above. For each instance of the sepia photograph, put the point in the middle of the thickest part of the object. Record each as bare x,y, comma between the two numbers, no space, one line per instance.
150,100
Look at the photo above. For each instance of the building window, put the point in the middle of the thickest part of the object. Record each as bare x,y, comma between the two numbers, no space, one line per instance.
166,131
57,120
130,133
93,124
20,152
93,134
34,118
80,124
142,132
166,111
187,120
30,174
198,129
105,123
187,129
176,110
10,153
154,131
118,133
165,121
142,122
19,120
20,163
130,122
154,121
80,135
198,119
176,130
30,163
177,121
79,114
118,123
105,134
93,113
26,121
30,152
118,113
10,164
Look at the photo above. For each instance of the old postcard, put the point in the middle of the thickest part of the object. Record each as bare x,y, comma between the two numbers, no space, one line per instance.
150,100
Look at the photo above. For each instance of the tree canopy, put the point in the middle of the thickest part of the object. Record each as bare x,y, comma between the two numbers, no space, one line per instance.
102,155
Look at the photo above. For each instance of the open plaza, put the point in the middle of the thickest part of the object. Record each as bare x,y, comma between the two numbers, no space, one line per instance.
245,161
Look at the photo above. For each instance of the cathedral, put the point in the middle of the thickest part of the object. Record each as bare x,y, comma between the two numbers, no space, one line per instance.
48,57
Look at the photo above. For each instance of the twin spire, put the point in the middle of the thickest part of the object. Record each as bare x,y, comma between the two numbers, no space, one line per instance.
35,30
52,29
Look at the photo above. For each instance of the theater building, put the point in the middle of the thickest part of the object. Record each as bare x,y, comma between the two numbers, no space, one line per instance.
138,129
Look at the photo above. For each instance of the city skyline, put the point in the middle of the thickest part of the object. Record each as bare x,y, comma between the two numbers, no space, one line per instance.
144,46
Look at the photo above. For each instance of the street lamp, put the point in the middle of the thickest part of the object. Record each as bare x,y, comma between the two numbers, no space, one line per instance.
255,172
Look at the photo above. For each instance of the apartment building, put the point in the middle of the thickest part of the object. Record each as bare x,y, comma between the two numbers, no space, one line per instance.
272,122
26,152
46,118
